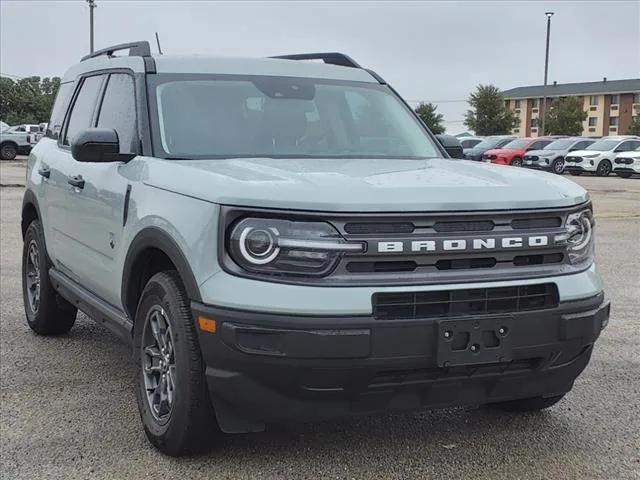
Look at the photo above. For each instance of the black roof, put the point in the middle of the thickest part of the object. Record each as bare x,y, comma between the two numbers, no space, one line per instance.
631,85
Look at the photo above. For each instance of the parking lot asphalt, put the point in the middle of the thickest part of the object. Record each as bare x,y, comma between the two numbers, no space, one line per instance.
68,410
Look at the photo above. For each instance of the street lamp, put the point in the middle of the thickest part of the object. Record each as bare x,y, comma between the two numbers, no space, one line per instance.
543,108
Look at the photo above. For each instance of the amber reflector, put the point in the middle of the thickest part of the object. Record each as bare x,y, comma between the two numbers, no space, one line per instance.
207,324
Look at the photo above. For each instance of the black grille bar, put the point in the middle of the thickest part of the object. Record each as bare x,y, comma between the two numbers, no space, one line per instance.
451,303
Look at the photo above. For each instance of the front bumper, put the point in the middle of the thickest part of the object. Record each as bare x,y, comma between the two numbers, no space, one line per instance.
264,367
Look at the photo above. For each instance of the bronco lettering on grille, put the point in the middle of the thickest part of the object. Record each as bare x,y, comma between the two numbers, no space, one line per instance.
463,244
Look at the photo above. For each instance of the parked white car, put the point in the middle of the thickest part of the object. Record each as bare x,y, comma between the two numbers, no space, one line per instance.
627,164
598,157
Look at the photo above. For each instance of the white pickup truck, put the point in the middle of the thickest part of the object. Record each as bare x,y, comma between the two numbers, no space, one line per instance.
15,140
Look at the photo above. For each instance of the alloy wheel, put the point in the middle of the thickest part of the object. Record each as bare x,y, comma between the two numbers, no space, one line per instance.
32,273
158,364
558,166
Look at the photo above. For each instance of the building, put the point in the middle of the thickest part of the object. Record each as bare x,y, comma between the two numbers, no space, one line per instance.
610,105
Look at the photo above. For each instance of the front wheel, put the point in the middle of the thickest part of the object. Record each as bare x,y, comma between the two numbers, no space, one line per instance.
557,166
171,388
8,151
528,404
604,168
516,162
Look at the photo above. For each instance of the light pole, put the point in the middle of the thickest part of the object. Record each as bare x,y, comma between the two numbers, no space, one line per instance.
92,5
543,108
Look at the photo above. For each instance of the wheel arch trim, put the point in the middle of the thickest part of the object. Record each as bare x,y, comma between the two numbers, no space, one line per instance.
154,237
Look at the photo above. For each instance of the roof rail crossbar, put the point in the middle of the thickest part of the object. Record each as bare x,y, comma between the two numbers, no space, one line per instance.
136,49
332,58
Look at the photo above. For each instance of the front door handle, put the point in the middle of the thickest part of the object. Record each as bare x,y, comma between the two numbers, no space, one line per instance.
44,172
77,181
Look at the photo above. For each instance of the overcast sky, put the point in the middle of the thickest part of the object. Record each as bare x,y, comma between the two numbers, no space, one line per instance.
434,51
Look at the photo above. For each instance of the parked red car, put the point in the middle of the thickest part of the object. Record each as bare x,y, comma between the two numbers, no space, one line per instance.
512,152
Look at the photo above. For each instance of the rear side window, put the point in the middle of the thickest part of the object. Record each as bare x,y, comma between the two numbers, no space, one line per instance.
59,109
118,110
83,107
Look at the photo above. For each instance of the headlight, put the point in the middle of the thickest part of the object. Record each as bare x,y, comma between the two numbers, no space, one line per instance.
579,237
282,247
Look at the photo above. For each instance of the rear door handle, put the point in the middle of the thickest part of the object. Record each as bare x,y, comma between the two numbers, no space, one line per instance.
44,172
77,181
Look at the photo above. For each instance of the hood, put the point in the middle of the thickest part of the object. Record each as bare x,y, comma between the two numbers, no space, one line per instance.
631,154
582,153
360,185
543,153
506,151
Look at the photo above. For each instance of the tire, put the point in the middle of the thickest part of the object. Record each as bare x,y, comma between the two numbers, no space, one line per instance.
575,173
177,417
8,151
624,174
47,312
527,404
516,162
604,168
557,166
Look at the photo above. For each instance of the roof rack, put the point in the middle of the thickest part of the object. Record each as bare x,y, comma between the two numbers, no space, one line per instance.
331,58
136,49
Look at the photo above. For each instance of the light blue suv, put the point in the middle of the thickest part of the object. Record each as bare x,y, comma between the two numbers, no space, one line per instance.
280,239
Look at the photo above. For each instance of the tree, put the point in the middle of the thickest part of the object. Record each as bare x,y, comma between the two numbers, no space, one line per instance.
634,128
565,117
433,120
27,100
488,114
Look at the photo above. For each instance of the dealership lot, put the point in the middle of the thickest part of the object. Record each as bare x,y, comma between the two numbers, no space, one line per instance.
68,408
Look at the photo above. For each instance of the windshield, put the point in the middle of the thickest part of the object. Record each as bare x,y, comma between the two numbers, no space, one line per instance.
603,145
518,143
3,126
560,144
204,116
489,143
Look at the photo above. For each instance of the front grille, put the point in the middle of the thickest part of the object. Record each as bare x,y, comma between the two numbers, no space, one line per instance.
396,378
541,222
376,228
453,303
574,159
624,161
533,158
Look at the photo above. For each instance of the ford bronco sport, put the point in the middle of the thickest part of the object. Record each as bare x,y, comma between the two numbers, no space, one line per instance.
283,240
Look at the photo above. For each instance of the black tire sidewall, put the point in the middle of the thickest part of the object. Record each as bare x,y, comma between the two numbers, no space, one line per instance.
516,162
603,162
13,154
553,166
54,315
168,434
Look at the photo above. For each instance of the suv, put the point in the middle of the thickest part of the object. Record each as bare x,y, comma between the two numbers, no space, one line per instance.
489,143
627,164
551,157
283,240
13,142
598,157
513,152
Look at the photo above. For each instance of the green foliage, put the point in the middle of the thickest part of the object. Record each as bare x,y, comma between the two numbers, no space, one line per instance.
565,117
433,120
28,100
634,128
488,114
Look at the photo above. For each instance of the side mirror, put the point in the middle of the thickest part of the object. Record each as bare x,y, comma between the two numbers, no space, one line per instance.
98,145
451,144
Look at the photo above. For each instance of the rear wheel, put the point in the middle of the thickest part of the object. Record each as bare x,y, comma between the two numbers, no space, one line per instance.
47,312
516,162
604,168
557,166
527,404
171,388
8,151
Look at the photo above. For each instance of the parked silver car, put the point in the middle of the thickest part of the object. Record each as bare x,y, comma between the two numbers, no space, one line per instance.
551,157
